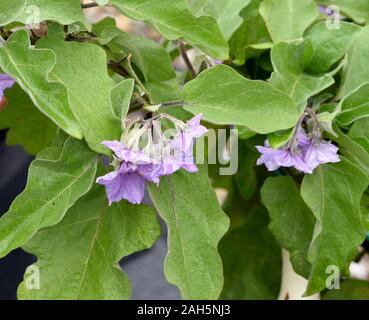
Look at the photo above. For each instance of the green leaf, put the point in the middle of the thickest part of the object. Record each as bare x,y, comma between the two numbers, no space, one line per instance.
245,38
9,10
249,253
280,138
81,68
360,134
288,19
150,58
290,62
356,71
225,97
174,20
333,192
292,222
91,268
354,106
350,289
225,12
31,67
120,97
246,177
28,127
56,179
358,10
35,11
352,149
330,45
196,223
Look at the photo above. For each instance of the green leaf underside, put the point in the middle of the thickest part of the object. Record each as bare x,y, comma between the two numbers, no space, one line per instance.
56,179
225,97
28,127
354,106
31,68
196,223
81,68
96,237
333,192
202,32
356,71
292,222
120,97
353,149
359,132
35,11
288,19
249,253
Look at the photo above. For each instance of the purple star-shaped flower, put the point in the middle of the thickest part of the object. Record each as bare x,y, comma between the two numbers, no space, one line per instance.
6,82
137,167
305,154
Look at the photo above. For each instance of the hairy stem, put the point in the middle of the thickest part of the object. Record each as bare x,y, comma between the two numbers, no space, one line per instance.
182,49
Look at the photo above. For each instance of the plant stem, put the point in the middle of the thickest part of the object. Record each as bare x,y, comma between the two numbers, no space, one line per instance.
89,5
182,49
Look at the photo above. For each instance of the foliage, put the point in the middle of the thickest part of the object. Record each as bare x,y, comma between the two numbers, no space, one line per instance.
265,67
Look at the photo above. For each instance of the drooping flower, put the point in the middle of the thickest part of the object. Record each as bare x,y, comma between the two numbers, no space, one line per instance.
303,153
6,82
129,180
183,143
292,156
136,165
321,152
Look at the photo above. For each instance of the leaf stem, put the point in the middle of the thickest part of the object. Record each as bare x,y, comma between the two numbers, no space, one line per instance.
182,49
89,5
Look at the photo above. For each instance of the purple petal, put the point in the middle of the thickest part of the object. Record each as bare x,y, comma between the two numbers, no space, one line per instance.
116,146
325,152
119,185
6,82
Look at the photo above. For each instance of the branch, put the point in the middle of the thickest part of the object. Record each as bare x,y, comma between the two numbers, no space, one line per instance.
186,59
89,5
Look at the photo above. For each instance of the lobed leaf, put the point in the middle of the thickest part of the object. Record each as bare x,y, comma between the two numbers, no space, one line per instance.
56,180
96,237
174,20
31,69
82,69
195,223
333,192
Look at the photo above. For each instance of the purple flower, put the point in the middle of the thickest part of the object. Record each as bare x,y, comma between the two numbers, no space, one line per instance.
322,152
136,167
303,153
5,83
275,158
322,9
129,180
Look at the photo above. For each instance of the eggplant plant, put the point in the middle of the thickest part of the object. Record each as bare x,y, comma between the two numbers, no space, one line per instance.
243,124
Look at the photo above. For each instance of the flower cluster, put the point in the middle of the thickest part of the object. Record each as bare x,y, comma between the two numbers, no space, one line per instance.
303,153
145,154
